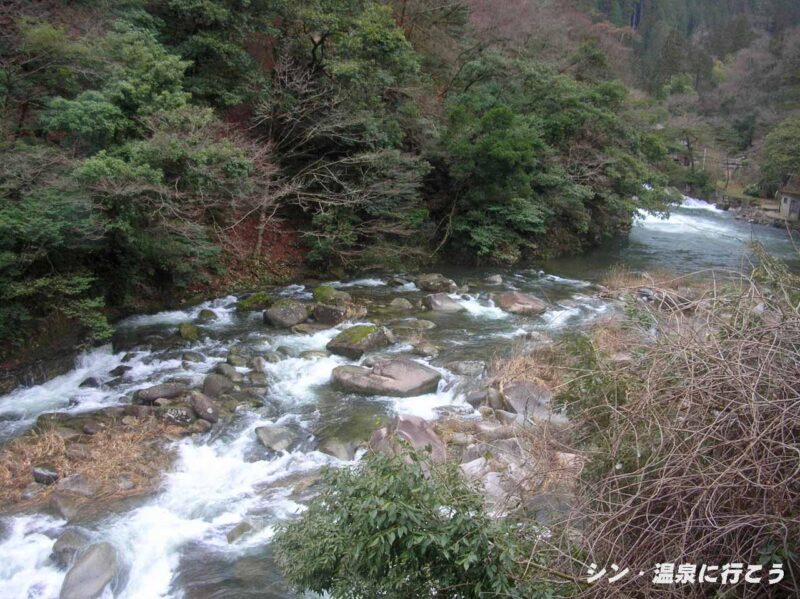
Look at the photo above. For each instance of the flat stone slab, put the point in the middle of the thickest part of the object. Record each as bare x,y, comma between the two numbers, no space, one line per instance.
394,378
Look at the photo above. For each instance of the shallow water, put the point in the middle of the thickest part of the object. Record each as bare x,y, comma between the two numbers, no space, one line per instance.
174,544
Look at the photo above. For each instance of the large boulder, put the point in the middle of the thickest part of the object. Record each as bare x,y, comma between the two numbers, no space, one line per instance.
441,302
333,314
395,378
162,391
91,573
287,313
276,437
413,430
357,340
436,283
325,294
520,303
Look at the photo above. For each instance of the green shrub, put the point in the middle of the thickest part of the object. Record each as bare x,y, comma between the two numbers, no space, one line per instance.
389,529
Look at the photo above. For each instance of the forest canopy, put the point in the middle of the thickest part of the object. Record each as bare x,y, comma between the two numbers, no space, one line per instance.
153,147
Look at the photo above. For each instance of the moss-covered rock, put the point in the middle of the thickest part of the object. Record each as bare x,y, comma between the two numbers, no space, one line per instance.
260,300
353,342
188,331
207,315
325,294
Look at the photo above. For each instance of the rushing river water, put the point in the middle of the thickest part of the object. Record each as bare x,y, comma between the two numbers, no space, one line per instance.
173,544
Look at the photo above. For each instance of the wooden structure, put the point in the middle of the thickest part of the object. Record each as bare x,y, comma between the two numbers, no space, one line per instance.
789,199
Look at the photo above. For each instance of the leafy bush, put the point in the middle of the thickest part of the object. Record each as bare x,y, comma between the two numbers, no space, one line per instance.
398,527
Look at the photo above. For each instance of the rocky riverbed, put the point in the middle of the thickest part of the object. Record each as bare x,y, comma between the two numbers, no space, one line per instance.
159,465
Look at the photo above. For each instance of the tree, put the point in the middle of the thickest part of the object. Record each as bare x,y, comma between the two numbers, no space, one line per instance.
781,158
399,527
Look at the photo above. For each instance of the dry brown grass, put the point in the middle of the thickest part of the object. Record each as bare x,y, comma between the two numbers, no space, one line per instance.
701,463
136,452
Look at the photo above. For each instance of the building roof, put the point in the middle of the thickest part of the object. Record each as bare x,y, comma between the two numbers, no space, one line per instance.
792,186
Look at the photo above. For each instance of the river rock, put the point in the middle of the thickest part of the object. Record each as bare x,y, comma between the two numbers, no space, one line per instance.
258,364
236,359
314,354
309,328
229,372
415,431
436,283
45,474
520,303
401,303
395,378
68,544
426,349
207,315
325,294
357,340
215,385
238,531
441,302
530,399
333,314
276,437
90,383
341,450
286,313
91,573
72,493
120,370
192,356
494,280
188,331
204,407
472,368
162,391
260,300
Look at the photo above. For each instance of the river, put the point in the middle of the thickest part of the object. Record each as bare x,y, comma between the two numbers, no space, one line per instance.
173,544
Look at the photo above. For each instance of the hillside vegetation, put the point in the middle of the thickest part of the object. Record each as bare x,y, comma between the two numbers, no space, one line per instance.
154,149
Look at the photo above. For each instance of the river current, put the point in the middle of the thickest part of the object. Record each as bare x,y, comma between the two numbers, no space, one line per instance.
174,544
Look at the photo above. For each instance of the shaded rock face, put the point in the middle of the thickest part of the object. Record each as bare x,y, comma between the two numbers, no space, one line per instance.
215,385
357,340
441,302
92,571
415,431
45,474
436,283
67,546
276,437
340,449
395,378
520,303
163,391
287,313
